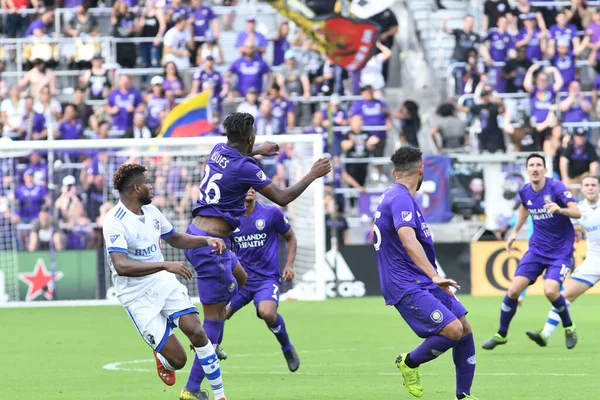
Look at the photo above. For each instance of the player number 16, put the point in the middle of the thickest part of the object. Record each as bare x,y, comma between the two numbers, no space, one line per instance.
210,187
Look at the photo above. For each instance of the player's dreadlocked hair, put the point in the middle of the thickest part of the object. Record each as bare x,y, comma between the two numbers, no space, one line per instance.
407,159
126,174
238,126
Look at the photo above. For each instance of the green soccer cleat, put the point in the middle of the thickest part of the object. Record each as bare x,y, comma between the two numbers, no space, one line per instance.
494,341
570,337
187,395
410,376
467,397
538,337
221,355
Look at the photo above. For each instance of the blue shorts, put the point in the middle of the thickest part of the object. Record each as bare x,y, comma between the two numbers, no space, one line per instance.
258,291
214,276
532,266
428,311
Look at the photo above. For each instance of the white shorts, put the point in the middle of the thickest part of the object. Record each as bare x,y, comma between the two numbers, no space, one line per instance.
589,271
158,310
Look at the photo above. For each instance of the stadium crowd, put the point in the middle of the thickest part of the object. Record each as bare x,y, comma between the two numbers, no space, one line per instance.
273,77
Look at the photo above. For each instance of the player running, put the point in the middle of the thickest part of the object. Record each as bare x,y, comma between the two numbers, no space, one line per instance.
410,282
255,245
146,284
551,205
588,273
229,173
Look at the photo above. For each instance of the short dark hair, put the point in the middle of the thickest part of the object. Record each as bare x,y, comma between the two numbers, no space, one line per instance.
536,155
126,175
238,126
407,159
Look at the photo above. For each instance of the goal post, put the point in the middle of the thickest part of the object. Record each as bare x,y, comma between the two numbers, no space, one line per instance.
175,166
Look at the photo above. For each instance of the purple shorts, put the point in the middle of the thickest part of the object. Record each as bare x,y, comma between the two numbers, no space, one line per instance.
214,276
428,311
532,266
258,291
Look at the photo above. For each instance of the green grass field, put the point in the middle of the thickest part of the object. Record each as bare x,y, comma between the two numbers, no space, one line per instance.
347,347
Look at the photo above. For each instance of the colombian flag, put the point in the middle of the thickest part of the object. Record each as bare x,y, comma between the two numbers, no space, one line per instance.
190,118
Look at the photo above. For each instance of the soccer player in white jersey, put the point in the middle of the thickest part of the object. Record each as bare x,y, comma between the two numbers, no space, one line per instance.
146,284
588,273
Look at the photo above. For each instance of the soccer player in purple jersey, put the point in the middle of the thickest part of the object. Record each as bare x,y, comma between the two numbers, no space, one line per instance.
411,283
255,245
229,173
551,205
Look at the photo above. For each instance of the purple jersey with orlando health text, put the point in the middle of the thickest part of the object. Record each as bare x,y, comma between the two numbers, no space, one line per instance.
500,43
123,120
541,101
255,241
553,234
228,176
534,51
373,113
398,274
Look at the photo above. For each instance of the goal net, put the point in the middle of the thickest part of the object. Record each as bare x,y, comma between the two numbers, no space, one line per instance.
175,168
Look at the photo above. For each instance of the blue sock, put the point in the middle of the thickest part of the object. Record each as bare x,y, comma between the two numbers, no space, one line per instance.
507,312
563,311
464,360
278,329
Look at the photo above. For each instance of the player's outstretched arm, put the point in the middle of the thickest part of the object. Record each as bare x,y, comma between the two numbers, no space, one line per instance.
185,241
571,210
283,197
416,252
127,267
267,149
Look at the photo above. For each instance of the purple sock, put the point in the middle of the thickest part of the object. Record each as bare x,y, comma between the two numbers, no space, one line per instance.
432,347
220,336
464,360
213,330
507,312
278,329
561,308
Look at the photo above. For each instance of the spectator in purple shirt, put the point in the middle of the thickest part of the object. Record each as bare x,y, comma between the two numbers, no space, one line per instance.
593,32
339,115
207,73
251,38
543,96
203,20
563,30
30,197
172,82
175,10
156,104
532,37
564,61
280,43
70,128
42,26
266,124
122,103
39,167
250,70
283,109
576,107
34,124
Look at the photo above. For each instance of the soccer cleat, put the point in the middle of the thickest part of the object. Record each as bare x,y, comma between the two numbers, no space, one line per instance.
221,355
187,395
410,377
167,376
467,397
293,361
494,341
570,336
538,337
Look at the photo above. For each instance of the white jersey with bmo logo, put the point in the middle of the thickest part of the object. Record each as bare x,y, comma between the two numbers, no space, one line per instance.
154,302
589,271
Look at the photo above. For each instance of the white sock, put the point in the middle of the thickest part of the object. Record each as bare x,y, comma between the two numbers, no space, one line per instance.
212,369
164,362
552,322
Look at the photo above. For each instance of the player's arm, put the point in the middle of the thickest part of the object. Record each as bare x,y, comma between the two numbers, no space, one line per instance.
417,254
521,218
185,241
571,210
283,197
131,268
292,246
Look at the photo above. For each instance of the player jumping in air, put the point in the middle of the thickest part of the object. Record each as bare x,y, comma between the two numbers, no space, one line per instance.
410,282
255,245
229,173
146,284
551,205
588,273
